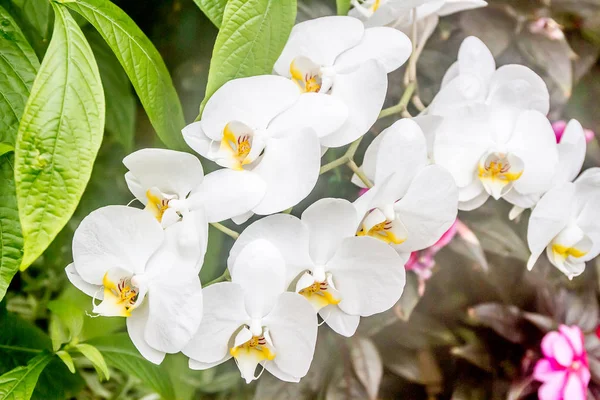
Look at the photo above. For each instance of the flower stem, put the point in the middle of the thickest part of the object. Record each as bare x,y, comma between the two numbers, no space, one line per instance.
224,277
229,232
361,175
402,104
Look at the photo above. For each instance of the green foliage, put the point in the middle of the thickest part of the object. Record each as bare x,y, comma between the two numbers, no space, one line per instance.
251,38
121,109
35,19
66,322
143,65
120,353
67,359
59,136
343,6
214,10
95,357
19,383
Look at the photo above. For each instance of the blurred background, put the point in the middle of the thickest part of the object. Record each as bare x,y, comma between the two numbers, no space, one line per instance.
470,331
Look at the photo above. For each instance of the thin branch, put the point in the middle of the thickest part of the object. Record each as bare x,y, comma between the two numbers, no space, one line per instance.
361,175
229,232
402,104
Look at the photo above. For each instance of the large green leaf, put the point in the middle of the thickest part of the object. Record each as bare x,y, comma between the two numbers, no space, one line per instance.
19,383
20,342
251,39
59,136
120,353
213,9
143,65
18,66
35,19
120,110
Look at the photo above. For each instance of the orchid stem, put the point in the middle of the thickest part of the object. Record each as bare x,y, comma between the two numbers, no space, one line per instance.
361,175
229,232
402,104
224,277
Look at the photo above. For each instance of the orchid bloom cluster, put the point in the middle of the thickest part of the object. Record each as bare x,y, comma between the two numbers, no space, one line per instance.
485,134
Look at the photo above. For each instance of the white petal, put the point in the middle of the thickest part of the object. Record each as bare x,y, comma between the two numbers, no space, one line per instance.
87,288
321,112
389,46
534,142
471,191
403,150
136,326
452,72
370,160
290,169
115,237
518,86
548,218
189,239
590,176
195,137
287,233
429,125
363,91
321,40
293,327
522,200
383,195
476,202
588,214
175,306
464,90
369,274
460,143
475,58
254,101
260,270
571,152
329,221
279,374
342,323
224,314
172,172
428,209
454,6
198,365
227,193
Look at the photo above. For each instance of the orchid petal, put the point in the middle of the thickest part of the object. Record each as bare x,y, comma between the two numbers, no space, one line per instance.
136,326
341,323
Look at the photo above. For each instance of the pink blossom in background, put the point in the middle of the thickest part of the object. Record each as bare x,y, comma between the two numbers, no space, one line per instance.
422,261
547,27
559,129
564,370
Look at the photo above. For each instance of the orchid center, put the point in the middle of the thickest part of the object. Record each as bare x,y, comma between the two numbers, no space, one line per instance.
318,288
367,7
121,294
310,76
158,202
570,245
386,228
238,147
251,349
498,171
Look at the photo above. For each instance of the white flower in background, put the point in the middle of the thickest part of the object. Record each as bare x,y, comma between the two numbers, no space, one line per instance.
343,276
172,186
571,154
565,223
338,56
399,14
412,203
264,126
119,258
254,320
474,79
497,151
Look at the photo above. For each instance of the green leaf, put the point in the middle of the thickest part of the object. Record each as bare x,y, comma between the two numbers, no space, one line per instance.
35,19
19,383
11,240
213,9
143,64
94,355
66,322
67,359
59,136
121,109
6,148
120,353
251,39
343,6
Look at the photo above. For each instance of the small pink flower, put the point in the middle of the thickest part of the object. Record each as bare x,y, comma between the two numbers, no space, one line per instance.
564,370
559,129
547,27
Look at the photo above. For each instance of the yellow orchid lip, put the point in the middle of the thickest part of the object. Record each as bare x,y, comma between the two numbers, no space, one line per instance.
382,231
565,251
306,74
498,171
319,295
255,347
119,298
237,142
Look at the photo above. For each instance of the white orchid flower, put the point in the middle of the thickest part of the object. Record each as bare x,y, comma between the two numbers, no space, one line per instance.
172,186
343,276
263,126
565,223
571,154
497,151
119,258
254,320
339,57
400,14
412,203
474,79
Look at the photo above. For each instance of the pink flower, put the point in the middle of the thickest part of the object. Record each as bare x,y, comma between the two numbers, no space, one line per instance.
421,262
547,27
564,369
560,126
